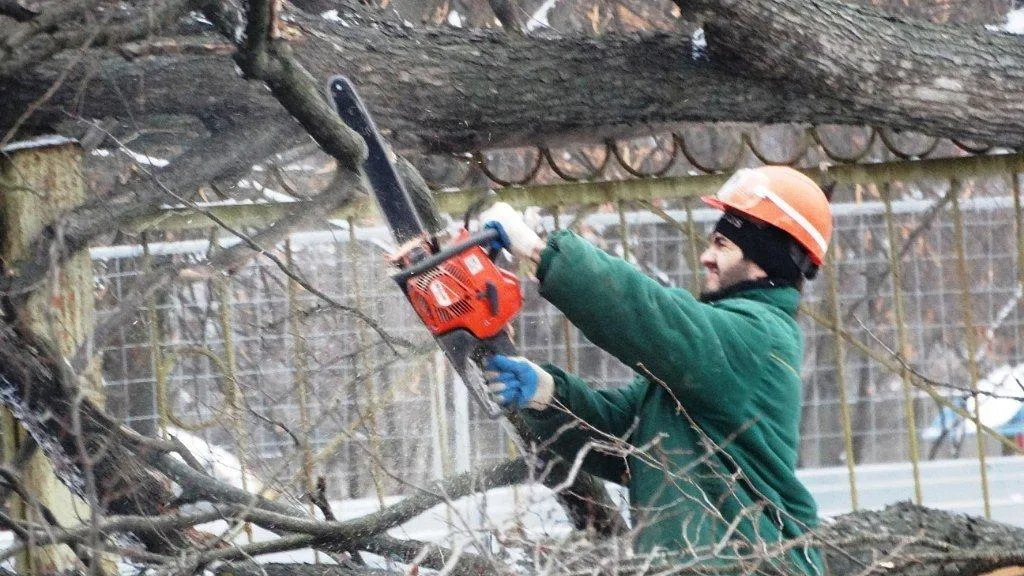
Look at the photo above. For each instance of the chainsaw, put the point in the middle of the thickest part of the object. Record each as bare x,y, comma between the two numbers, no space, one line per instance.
463,298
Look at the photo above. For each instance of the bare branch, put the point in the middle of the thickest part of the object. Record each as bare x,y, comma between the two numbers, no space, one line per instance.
201,163
15,10
41,47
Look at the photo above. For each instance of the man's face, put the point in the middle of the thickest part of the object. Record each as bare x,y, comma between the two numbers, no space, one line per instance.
725,264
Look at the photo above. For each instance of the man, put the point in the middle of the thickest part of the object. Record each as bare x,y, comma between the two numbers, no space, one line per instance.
708,431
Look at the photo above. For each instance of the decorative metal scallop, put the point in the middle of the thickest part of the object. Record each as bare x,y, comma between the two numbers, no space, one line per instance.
789,139
971,147
648,157
702,148
707,148
525,161
907,145
831,138
446,172
585,163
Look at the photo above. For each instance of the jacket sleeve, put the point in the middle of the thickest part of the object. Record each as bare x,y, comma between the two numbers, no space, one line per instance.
583,415
702,353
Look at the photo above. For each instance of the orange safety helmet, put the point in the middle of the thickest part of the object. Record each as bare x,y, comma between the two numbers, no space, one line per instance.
781,197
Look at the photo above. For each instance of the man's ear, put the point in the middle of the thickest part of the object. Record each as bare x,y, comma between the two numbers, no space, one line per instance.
754,271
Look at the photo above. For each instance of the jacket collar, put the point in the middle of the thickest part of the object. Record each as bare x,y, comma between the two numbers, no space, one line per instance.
780,295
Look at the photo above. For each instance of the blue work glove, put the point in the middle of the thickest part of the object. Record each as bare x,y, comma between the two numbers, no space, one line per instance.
515,235
515,382
502,242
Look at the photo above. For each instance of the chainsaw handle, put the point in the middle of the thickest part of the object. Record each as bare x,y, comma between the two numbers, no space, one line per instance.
485,236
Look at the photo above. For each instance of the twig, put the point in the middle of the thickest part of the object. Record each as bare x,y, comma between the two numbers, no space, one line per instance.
319,499
275,423
391,341
934,383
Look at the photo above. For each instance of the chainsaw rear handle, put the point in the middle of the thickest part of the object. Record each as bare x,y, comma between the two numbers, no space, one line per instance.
485,236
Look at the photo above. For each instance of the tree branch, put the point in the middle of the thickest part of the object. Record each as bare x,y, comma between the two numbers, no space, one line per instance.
14,10
470,107
44,46
221,154
943,86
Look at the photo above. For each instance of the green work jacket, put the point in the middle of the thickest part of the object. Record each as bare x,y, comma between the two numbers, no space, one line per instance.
712,421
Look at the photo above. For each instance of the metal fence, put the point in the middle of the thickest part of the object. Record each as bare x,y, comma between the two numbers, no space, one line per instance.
918,303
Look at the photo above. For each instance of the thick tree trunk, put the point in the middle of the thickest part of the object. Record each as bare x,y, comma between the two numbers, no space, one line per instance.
910,539
438,90
903,539
455,90
40,391
958,82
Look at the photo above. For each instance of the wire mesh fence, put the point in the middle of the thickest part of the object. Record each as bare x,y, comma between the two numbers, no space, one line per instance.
296,387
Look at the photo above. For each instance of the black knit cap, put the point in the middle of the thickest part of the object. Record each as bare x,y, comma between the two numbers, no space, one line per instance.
767,246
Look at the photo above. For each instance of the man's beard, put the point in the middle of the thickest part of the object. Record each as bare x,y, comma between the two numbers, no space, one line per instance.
728,278
713,295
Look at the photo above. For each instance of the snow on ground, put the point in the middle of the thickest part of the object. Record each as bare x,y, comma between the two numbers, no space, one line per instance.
217,461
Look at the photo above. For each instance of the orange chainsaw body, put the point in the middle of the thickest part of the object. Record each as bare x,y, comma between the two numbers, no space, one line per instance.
467,291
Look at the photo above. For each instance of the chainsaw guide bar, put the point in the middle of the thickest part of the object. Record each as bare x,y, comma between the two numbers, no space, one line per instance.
465,300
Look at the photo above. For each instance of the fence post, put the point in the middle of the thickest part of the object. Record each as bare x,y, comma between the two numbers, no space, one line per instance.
969,336
902,347
37,182
832,276
568,333
693,252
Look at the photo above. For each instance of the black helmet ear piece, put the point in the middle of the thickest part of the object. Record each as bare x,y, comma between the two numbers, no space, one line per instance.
803,261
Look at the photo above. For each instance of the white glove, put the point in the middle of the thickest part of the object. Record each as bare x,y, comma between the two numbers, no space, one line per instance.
517,236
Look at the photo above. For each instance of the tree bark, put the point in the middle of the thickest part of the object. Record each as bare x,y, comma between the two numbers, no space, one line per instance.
445,90
957,82
41,392
902,539
275,569
922,542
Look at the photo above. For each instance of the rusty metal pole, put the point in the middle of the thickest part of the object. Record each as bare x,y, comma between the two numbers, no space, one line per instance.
832,275
969,336
693,247
903,347
568,333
